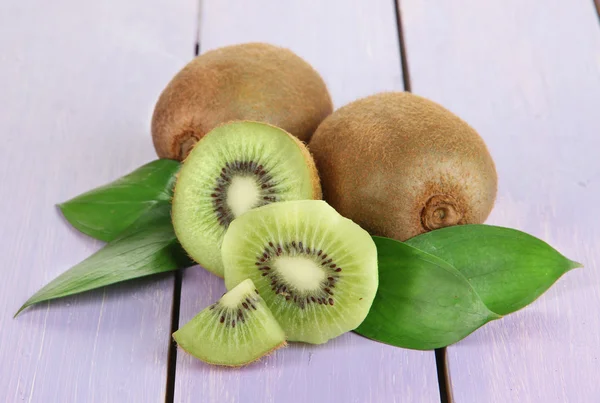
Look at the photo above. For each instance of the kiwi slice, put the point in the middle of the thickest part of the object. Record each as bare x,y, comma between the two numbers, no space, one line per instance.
234,168
250,81
236,330
400,165
316,270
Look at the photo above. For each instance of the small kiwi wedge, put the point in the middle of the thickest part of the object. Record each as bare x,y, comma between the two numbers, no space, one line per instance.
234,168
251,81
316,270
400,165
236,330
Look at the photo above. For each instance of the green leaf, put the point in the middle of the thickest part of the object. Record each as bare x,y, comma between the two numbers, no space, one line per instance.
148,247
105,212
508,268
422,302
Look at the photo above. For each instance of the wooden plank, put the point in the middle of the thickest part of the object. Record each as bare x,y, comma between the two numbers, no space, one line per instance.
526,75
78,81
354,46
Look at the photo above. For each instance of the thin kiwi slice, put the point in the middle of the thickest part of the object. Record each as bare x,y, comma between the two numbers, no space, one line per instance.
234,168
316,270
234,331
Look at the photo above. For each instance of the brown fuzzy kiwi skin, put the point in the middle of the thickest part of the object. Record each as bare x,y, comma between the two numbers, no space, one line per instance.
312,168
400,165
252,81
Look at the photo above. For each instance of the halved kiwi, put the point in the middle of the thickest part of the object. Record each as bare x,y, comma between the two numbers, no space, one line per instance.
316,270
236,330
234,168
250,81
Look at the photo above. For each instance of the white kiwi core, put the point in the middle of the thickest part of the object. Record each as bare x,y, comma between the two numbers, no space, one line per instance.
233,297
243,194
300,272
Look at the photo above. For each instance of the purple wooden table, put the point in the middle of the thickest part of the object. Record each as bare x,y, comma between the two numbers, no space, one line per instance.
77,87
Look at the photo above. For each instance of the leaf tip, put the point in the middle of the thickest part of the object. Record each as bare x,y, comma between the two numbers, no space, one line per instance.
574,265
21,309
61,208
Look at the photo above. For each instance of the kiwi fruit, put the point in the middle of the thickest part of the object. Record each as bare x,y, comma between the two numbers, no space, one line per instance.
234,168
236,330
400,165
316,270
252,81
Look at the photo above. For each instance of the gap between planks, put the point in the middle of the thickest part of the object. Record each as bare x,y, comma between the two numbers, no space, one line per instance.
172,353
441,363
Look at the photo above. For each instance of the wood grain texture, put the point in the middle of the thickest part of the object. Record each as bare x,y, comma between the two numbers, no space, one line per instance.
78,82
526,75
354,45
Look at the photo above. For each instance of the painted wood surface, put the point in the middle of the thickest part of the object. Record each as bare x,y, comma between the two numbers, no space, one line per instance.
78,81
354,45
77,89
526,75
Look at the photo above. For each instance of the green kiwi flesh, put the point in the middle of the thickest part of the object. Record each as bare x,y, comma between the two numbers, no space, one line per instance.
236,330
316,270
250,81
400,165
236,167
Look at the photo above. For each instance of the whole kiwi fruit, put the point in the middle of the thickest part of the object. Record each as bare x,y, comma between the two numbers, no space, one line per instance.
400,165
252,81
